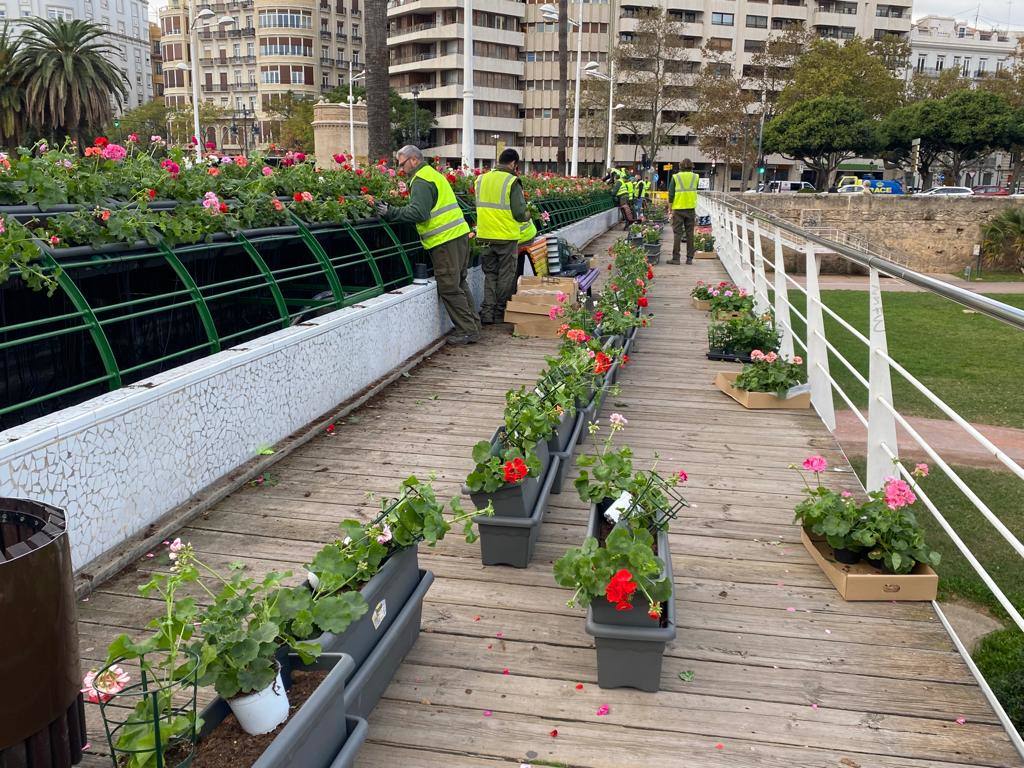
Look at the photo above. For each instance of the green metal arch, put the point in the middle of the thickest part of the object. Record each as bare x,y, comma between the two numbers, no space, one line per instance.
321,256
268,276
197,295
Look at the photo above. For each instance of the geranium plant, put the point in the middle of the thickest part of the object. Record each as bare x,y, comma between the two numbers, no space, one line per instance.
742,335
605,474
704,242
497,466
731,299
770,372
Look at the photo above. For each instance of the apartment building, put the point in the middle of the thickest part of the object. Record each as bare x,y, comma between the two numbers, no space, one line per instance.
941,43
426,39
252,52
425,42
127,24
157,56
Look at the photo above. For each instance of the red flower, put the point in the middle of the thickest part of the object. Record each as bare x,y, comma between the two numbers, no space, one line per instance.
655,612
620,589
101,141
297,197
598,316
683,477
452,178
650,273
601,363
609,267
644,322
642,301
625,360
105,215
515,470
152,193
211,145
359,171
330,429
364,190
223,207
554,733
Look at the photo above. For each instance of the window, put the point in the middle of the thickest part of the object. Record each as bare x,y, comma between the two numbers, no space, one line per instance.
62,13
286,18
753,46
940,63
270,75
236,50
966,71
720,44
531,56
355,32
982,66
250,49
922,60
757,22
722,19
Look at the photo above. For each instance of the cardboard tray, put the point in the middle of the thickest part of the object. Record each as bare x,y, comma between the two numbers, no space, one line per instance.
702,304
756,401
705,255
863,582
541,327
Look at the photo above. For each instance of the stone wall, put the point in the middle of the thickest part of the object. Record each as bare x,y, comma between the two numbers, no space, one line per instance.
934,234
331,135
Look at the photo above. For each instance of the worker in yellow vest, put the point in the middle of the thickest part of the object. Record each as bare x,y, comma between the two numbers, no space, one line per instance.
682,196
621,192
501,216
444,234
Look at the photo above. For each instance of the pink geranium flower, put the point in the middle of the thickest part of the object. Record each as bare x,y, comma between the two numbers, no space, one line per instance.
898,494
815,464
103,686
921,470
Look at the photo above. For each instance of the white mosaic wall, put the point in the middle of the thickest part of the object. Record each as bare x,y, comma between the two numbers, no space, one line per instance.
120,461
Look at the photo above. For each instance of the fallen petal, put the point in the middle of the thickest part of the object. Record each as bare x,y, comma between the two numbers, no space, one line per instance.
579,686
505,671
487,713
961,720
719,746
554,732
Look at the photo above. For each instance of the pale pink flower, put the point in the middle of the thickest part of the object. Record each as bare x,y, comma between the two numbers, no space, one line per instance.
211,202
3,226
797,360
921,470
898,494
103,686
307,197
757,355
618,420
771,357
385,535
728,294
815,464
846,494
553,313
175,547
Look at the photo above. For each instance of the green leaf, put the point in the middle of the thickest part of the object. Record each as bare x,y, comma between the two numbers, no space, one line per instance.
337,612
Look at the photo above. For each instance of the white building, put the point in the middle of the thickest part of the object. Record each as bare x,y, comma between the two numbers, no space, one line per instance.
128,25
940,43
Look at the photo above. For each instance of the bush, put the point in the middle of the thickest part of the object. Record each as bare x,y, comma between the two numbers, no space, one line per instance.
1003,239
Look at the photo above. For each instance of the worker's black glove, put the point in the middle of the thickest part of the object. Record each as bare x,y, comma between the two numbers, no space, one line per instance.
382,208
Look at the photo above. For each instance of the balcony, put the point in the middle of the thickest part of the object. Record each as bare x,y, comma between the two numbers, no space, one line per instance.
327,62
325,34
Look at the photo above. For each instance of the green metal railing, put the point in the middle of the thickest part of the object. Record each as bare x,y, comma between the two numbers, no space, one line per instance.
123,313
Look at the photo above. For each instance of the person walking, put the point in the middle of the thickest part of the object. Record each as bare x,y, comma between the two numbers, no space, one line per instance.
621,193
638,202
501,220
444,234
682,194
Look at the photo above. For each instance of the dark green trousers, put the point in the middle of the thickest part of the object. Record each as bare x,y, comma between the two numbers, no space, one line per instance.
499,263
451,263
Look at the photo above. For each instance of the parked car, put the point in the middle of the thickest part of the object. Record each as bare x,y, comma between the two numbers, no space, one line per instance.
853,189
948,192
991,191
790,186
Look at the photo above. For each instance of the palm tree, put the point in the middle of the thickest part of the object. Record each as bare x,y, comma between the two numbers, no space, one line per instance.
69,83
1003,237
10,93
378,96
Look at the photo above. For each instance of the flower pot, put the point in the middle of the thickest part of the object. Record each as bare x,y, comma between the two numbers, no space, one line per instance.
319,733
705,255
702,304
565,457
721,314
848,556
514,499
386,594
653,252
630,657
559,440
263,711
760,400
511,540
728,356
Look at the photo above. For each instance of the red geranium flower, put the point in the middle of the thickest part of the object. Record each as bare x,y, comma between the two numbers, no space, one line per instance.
364,190
151,192
601,363
101,141
297,197
223,207
650,273
620,589
642,301
515,470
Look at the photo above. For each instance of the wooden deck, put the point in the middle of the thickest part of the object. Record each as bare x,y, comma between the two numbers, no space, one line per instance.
785,673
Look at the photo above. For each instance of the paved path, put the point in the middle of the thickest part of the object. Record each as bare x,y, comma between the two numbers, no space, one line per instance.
860,283
785,673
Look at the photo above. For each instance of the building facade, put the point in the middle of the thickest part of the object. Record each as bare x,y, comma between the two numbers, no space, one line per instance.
157,58
941,43
127,23
253,52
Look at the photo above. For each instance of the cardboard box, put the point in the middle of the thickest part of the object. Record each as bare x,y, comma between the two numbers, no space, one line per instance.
705,255
701,304
864,582
533,325
756,401
550,284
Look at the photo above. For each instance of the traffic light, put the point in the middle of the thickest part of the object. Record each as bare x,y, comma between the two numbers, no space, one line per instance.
117,123
760,170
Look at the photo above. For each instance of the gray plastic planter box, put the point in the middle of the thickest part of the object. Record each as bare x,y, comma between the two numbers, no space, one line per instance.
515,499
372,678
559,440
320,734
565,457
630,644
511,540
385,594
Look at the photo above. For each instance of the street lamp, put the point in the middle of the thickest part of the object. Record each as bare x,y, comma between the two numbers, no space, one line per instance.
351,107
495,136
592,69
416,115
550,13
203,15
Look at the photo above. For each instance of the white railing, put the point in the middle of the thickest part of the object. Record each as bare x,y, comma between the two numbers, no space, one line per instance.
740,229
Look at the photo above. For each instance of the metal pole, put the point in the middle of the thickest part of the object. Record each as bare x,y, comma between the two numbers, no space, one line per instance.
576,106
610,159
760,137
194,52
468,126
351,121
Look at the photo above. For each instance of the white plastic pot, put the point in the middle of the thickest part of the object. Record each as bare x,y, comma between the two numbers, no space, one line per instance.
263,711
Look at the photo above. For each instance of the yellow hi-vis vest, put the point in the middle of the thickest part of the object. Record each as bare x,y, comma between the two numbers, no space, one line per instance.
527,231
446,221
494,206
685,189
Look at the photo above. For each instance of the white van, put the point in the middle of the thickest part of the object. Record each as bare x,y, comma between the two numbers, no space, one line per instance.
790,186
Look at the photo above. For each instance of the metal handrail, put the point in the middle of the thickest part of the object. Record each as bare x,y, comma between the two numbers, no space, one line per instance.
996,309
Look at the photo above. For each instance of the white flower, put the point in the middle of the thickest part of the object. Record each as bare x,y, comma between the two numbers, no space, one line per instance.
346,541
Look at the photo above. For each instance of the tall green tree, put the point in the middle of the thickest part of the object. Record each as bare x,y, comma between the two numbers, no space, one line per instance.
901,127
70,85
407,119
822,133
293,118
11,93
150,119
971,124
378,86
854,69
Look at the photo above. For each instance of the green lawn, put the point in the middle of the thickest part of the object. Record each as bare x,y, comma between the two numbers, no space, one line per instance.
988,276
1000,655
974,363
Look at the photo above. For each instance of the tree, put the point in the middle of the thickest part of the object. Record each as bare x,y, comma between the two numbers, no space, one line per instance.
893,50
294,121
772,67
969,125
1003,238
11,94
923,86
563,82
1009,83
822,133
182,123
725,128
901,127
378,105
853,70
648,87
148,120
70,85
405,116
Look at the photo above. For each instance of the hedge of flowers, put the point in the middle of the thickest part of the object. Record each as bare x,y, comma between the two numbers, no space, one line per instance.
147,191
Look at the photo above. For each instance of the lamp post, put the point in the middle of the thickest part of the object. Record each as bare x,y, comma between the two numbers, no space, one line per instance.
592,70
550,13
495,136
416,115
468,123
203,15
351,107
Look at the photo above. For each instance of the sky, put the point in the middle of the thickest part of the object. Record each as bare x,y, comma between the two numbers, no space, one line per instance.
990,13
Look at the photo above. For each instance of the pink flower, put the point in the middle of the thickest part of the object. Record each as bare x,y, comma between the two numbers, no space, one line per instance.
771,357
561,297
103,686
307,197
683,477
618,420
114,152
553,313
211,202
545,217
728,294
757,355
300,157
921,470
815,464
267,170
898,494
846,494
155,139
133,137
797,360
54,240
385,535
603,710
3,226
